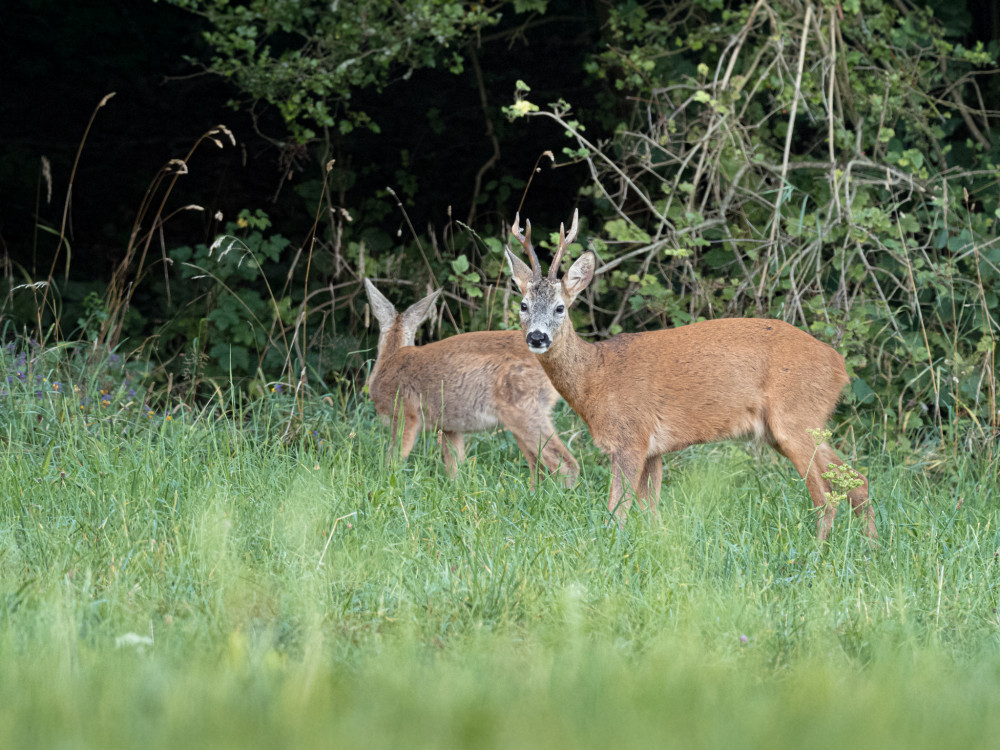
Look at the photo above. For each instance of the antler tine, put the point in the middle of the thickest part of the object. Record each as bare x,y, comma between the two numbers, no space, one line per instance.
525,240
564,240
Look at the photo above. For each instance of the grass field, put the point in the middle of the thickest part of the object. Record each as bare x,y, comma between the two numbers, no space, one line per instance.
193,581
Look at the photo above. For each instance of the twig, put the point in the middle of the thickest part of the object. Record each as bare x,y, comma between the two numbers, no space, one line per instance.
495,157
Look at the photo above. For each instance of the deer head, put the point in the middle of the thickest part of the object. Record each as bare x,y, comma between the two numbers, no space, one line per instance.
387,316
545,300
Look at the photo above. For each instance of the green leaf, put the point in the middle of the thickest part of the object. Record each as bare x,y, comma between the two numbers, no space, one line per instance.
619,229
863,392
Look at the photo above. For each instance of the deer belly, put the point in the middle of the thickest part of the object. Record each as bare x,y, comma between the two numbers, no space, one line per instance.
458,415
471,423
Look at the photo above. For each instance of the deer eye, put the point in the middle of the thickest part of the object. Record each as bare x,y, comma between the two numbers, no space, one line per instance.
524,307
560,309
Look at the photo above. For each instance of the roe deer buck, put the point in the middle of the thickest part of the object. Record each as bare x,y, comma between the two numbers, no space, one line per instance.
646,394
465,383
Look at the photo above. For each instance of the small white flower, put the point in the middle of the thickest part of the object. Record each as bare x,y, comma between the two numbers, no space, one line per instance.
133,639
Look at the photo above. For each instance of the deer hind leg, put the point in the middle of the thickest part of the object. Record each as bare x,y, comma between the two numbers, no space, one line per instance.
537,439
650,480
555,455
798,446
558,459
530,456
453,448
858,497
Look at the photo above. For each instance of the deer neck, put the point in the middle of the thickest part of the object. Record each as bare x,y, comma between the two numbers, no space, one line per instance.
567,363
389,342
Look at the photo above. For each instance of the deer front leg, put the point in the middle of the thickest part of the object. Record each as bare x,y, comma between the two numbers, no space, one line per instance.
799,447
625,471
526,425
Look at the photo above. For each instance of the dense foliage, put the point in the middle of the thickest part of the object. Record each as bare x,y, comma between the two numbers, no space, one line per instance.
817,163
305,58
830,163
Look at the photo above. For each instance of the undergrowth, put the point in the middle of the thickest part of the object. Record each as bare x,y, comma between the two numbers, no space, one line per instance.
217,579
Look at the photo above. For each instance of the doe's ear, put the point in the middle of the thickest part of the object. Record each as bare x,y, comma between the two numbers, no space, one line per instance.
384,311
579,275
417,313
518,269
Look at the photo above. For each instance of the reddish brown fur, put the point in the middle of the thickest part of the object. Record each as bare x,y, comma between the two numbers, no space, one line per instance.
646,394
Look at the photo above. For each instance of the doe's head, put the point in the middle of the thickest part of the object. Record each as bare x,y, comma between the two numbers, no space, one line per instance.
546,300
393,325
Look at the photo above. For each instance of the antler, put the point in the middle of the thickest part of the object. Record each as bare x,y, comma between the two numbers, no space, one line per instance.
525,240
564,240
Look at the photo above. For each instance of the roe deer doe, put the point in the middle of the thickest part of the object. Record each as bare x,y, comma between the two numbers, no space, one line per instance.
646,394
465,383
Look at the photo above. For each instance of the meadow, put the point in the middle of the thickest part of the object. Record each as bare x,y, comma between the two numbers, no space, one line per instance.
244,574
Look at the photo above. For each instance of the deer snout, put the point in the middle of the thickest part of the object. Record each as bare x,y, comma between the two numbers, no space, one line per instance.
538,341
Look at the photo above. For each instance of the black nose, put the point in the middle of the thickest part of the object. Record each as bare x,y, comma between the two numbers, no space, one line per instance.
537,338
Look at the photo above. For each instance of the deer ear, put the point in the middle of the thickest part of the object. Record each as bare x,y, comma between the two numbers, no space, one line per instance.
519,270
384,311
418,312
579,275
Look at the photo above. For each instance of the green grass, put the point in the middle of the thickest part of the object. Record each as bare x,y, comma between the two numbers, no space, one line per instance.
287,593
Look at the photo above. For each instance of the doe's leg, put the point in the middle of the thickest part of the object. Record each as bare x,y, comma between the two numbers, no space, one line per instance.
537,438
555,455
411,428
395,422
558,459
453,448
530,456
523,422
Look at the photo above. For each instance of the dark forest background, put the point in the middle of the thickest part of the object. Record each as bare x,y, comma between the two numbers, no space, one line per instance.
830,163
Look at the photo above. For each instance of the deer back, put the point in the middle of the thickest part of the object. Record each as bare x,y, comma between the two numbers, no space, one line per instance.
463,383
699,383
